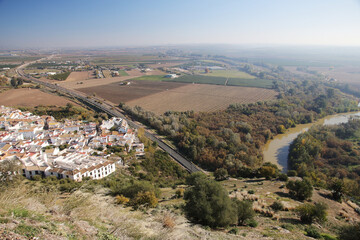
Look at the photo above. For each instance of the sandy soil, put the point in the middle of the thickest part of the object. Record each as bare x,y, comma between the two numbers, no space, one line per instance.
79,76
28,97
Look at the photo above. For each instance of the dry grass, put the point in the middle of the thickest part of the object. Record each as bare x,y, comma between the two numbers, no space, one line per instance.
80,76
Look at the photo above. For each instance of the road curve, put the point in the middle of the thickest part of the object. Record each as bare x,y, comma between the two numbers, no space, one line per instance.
188,165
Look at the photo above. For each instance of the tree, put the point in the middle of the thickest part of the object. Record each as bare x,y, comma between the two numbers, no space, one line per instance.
208,203
244,211
301,190
309,213
221,174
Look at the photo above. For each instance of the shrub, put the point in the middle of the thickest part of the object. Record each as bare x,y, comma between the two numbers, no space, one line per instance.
251,191
309,213
168,221
338,189
146,199
326,236
120,199
301,190
277,206
288,226
349,232
283,177
244,211
252,223
180,193
221,174
234,231
268,172
292,173
208,203
312,232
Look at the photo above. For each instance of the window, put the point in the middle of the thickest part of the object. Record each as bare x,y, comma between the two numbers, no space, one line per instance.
36,172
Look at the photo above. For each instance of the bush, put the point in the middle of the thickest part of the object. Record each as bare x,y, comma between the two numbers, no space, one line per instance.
252,223
349,232
328,237
309,213
312,232
251,191
145,199
208,203
221,174
120,199
283,177
292,173
277,206
234,231
301,190
180,193
244,211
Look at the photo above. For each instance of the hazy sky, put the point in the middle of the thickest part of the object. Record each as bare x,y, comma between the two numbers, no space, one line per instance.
87,23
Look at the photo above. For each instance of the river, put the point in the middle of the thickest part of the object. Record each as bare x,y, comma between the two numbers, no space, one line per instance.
276,150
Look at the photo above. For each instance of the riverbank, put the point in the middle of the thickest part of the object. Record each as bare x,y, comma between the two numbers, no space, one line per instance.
276,150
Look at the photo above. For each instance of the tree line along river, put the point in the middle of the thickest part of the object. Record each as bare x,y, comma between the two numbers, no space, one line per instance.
276,150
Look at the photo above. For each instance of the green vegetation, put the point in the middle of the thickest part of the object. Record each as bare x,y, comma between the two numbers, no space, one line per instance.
123,73
69,111
329,156
151,78
221,174
205,79
309,213
208,203
8,66
229,74
245,212
60,76
300,189
349,232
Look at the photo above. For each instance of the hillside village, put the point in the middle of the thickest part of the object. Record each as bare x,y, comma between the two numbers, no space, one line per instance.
67,149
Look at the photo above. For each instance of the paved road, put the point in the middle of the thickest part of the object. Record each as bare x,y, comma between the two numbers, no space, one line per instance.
112,112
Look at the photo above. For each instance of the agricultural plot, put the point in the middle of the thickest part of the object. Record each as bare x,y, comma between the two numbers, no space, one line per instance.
201,79
201,97
28,97
79,76
151,78
116,92
229,74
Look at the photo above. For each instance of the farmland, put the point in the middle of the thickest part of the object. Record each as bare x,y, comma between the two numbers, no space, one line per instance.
229,74
117,93
201,97
261,83
78,76
27,97
158,96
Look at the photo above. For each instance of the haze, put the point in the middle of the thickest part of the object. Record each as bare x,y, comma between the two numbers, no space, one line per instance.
90,23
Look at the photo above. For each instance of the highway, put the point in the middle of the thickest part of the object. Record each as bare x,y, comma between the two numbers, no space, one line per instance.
112,111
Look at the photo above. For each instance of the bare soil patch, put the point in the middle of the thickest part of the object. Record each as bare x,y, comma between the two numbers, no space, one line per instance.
117,93
201,97
79,76
28,97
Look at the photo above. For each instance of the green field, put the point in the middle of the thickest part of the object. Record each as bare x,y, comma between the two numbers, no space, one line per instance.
122,73
151,78
8,66
60,76
229,74
261,83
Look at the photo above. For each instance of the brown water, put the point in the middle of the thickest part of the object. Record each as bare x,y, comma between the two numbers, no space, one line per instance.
276,150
